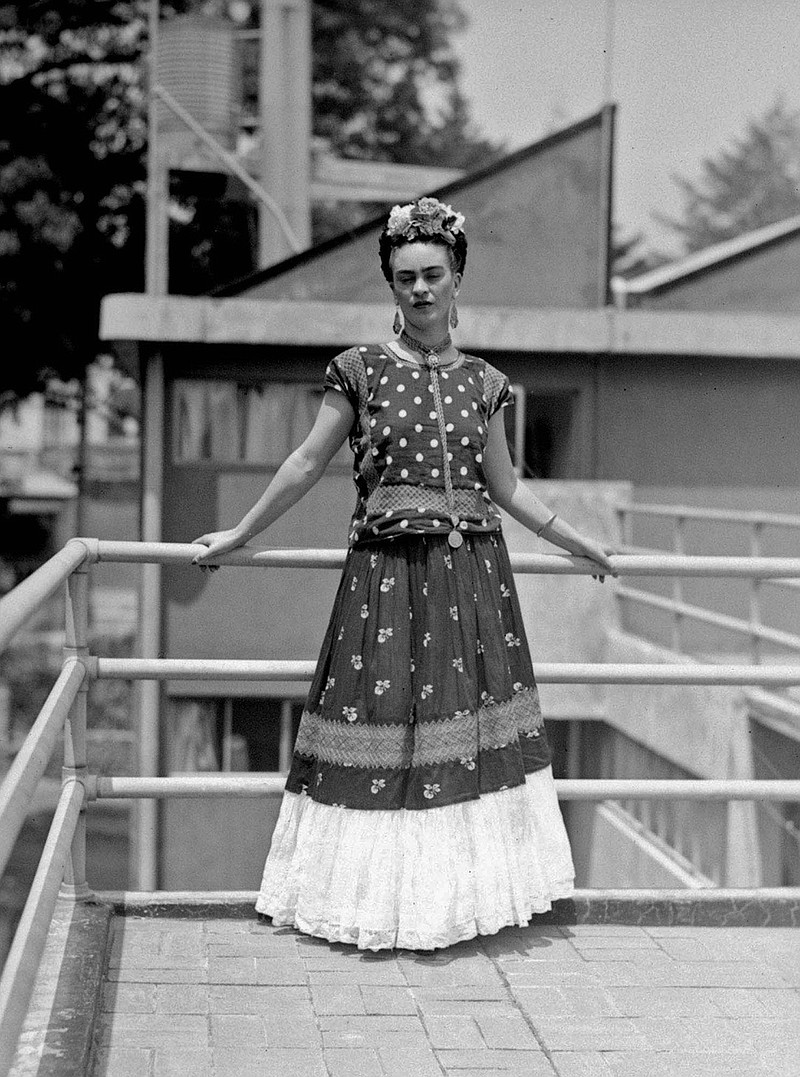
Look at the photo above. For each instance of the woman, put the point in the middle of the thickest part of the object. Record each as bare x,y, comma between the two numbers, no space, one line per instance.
420,808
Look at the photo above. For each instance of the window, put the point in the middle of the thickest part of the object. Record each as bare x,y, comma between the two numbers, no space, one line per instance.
542,433
247,734
258,734
221,421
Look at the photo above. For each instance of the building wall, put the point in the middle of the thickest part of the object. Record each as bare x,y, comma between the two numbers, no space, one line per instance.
679,430
711,433
537,225
639,424
280,613
683,421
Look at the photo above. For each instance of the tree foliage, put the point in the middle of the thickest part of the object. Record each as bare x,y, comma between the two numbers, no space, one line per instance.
385,82
753,182
73,142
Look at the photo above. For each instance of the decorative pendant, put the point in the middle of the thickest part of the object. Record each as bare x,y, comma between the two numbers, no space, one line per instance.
455,539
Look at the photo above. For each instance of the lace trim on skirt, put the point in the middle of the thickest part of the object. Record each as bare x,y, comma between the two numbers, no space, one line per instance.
418,880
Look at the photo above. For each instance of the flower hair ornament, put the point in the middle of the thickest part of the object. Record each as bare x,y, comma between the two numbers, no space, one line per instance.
425,217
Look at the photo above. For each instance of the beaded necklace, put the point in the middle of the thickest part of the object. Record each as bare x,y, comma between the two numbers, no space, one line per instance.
425,349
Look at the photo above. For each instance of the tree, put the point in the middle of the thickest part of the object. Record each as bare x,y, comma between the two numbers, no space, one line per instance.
72,146
753,182
71,180
375,64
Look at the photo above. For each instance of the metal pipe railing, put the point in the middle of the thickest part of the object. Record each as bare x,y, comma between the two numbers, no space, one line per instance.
214,669
19,605
63,859
181,553
76,648
175,553
756,530
790,584
31,760
249,785
692,565
774,706
64,853
720,620
19,972
692,512
776,710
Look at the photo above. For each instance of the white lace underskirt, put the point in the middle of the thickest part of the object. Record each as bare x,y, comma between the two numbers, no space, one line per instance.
417,879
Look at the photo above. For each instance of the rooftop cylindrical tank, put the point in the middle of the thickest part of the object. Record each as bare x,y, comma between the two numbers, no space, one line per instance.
195,63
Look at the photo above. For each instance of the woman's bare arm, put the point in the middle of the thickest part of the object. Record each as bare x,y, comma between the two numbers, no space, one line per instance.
294,478
519,501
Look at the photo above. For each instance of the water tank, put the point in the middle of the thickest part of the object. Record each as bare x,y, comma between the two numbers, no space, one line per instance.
195,64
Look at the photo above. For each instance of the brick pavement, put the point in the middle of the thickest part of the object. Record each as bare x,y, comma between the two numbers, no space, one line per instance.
235,998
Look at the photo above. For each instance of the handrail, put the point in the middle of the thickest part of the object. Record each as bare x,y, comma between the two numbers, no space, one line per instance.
19,972
756,521
65,848
19,605
181,553
31,760
692,512
177,553
721,620
779,707
259,785
214,669
793,585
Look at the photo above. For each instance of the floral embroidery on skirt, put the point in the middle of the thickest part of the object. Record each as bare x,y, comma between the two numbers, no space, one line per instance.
424,693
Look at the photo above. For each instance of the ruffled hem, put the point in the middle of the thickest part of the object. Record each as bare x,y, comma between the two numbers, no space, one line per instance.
418,880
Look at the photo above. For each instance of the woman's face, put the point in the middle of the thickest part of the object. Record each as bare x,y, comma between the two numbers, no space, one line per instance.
424,284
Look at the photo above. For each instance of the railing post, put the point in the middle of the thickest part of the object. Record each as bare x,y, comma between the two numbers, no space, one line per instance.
678,543
146,829
76,644
755,595
625,520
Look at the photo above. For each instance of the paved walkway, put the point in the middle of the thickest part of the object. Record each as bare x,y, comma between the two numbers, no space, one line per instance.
236,998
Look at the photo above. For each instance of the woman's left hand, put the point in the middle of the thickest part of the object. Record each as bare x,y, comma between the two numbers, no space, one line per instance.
595,552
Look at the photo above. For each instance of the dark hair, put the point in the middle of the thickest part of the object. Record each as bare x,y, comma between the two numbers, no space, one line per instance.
457,251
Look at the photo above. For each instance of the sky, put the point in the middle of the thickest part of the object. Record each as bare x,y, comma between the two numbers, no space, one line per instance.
686,75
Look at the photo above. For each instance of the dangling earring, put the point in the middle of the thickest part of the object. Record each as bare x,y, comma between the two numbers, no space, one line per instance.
453,317
397,324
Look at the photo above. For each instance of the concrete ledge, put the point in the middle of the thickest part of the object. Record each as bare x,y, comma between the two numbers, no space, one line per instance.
57,1036
778,907
687,908
608,331
186,904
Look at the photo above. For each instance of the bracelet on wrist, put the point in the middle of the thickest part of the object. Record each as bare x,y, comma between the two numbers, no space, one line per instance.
545,525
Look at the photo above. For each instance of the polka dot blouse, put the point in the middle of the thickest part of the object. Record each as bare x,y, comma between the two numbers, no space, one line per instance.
402,445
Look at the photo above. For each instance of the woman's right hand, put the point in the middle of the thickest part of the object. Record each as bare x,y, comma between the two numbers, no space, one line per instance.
218,543
600,555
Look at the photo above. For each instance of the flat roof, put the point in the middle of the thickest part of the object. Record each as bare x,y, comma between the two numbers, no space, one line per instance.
647,987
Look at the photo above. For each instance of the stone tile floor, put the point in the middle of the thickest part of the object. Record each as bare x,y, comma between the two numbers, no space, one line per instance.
239,998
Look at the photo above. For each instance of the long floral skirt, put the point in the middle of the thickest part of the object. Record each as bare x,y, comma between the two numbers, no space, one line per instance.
420,808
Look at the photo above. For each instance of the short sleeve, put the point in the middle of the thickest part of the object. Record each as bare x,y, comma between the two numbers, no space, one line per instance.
498,390
345,375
